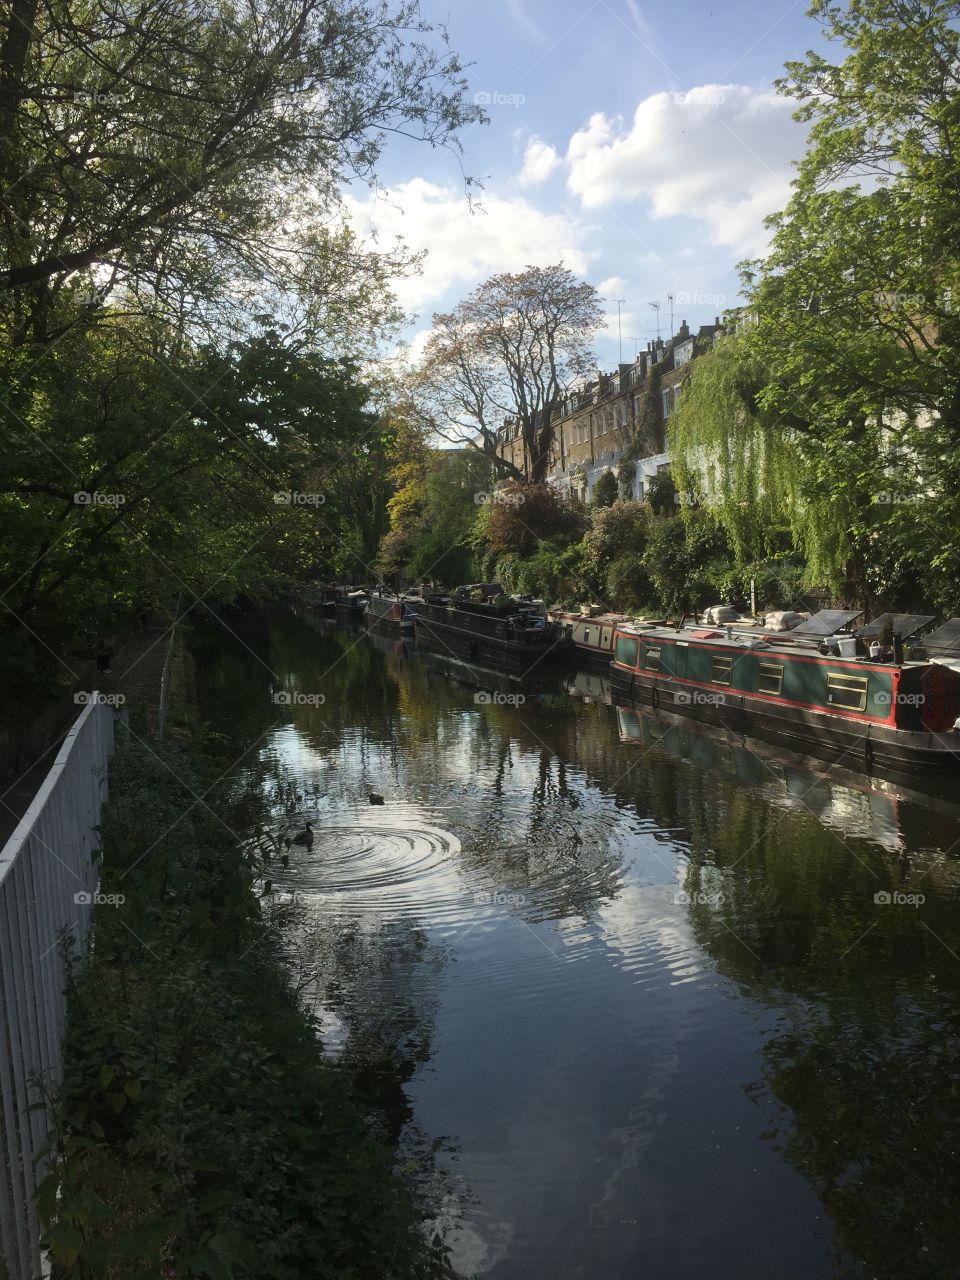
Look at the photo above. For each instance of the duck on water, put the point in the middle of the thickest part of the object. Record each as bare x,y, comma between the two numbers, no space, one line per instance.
304,837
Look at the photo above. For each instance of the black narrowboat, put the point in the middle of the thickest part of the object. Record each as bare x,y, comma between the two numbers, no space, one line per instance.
479,625
351,604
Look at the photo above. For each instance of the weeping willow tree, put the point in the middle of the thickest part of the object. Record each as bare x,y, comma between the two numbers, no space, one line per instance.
764,482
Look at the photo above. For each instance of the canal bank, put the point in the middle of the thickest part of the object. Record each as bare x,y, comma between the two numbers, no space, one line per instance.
202,1132
648,1009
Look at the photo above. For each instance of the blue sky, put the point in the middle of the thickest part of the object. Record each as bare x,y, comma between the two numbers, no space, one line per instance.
642,145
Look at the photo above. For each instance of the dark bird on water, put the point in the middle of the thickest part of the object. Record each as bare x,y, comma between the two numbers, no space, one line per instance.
376,799
304,837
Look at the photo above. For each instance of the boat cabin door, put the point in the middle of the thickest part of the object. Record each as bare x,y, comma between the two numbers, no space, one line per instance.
680,659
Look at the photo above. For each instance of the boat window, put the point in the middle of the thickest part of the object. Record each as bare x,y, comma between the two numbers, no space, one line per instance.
770,677
586,635
849,692
627,647
722,670
651,659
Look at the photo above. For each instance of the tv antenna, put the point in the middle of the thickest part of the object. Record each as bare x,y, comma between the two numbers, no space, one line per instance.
670,300
655,306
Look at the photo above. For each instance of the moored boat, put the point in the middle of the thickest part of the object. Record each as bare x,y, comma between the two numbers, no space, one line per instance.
351,604
391,613
480,625
591,634
829,700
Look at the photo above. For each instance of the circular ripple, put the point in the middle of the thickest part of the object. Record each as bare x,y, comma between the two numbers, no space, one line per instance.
397,870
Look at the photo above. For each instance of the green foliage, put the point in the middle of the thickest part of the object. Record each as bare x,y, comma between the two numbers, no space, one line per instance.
200,1132
272,474
662,494
626,474
433,510
688,561
757,478
554,572
613,549
606,490
195,157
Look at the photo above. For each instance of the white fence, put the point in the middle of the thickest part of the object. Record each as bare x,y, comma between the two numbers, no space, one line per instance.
47,879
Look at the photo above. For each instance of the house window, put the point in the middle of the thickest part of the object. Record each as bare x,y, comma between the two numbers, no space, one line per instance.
651,659
666,402
627,647
721,671
636,407
676,393
770,678
849,692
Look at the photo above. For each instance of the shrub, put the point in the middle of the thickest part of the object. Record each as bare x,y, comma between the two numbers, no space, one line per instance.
605,490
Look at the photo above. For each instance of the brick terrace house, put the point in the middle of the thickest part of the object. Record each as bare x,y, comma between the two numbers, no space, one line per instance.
618,418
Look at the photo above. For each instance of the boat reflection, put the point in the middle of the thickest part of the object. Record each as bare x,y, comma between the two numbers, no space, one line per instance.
848,802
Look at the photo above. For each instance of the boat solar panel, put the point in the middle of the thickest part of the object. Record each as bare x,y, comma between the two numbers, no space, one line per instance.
903,624
827,622
946,638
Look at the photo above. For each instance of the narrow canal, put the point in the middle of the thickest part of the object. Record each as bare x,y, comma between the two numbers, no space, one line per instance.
657,1005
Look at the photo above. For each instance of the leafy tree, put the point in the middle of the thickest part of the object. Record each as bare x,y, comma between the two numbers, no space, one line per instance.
443,548
128,478
841,396
519,516
684,559
193,159
508,351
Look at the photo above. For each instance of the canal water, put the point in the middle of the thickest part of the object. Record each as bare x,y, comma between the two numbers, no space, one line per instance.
653,1002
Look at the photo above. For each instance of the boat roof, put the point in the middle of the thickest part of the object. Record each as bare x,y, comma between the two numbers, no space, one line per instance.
574,616
722,637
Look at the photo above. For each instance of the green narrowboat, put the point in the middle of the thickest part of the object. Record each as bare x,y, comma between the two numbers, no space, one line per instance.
853,710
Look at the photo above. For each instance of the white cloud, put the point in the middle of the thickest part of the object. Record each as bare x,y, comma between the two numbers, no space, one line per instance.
720,153
463,247
612,286
539,161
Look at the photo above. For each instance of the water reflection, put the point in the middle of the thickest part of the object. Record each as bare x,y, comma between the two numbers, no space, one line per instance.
645,976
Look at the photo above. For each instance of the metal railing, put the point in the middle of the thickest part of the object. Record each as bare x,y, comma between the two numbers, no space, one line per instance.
48,878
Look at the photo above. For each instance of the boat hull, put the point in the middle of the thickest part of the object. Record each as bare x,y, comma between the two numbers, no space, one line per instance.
516,658
350,612
390,616
391,626
853,743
